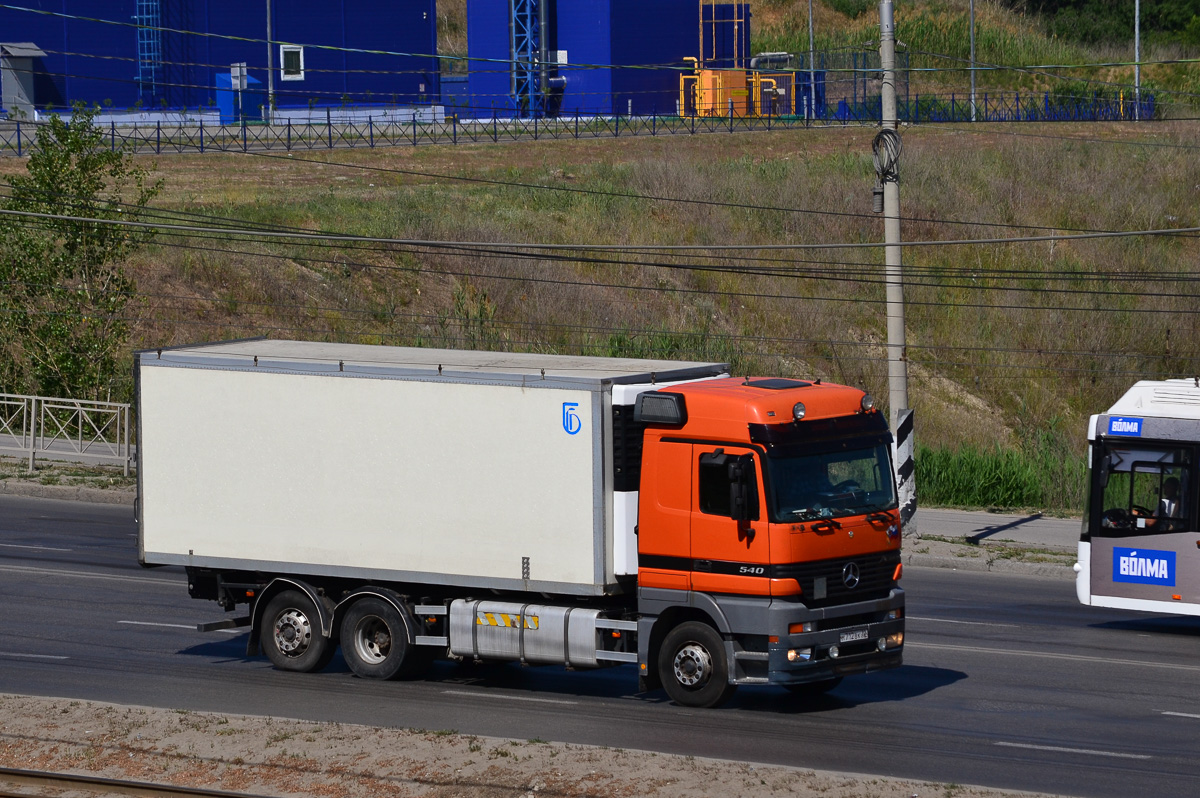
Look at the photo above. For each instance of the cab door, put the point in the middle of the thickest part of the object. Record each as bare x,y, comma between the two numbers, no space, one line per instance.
730,546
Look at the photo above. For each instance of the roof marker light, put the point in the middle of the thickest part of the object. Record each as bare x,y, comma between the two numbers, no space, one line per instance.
868,403
798,411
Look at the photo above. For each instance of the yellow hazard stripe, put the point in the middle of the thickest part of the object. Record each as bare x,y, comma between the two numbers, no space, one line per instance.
504,619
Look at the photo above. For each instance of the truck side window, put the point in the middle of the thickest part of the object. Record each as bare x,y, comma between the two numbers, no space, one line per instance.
719,479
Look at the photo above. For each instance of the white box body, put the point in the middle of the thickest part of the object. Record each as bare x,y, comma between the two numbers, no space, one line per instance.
438,467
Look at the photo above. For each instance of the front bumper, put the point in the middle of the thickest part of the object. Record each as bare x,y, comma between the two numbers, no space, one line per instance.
845,640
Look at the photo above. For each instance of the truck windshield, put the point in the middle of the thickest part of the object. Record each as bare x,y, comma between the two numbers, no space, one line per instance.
833,484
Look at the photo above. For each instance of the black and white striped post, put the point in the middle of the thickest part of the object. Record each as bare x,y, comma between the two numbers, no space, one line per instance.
906,471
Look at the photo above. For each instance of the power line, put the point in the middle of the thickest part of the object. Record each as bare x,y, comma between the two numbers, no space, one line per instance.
654,198
419,318
633,248
681,290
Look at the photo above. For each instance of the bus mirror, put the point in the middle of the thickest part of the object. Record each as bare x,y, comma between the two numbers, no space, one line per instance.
1105,469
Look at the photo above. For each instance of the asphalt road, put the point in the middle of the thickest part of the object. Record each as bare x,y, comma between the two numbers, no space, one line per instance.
1008,682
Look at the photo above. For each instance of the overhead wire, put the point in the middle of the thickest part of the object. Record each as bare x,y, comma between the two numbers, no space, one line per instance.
559,327
760,295
794,267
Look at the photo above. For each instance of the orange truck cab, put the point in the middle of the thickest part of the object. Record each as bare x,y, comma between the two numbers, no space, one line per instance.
768,538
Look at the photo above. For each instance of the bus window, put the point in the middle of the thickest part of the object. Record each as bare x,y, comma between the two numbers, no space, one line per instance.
1146,491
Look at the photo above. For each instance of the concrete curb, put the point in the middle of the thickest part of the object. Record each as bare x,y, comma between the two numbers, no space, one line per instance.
1053,570
70,493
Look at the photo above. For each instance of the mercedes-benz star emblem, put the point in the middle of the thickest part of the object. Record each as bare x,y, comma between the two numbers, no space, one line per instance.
850,575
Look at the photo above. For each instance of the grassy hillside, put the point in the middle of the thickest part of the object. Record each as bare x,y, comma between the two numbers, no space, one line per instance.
1010,345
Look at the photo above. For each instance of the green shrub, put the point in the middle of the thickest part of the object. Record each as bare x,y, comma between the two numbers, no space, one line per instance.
1043,472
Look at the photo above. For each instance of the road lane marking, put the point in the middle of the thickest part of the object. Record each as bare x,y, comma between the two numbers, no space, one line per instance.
966,623
1181,715
1049,655
1088,751
87,575
30,656
35,548
190,626
482,694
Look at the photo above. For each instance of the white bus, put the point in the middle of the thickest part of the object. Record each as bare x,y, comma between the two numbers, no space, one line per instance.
1140,547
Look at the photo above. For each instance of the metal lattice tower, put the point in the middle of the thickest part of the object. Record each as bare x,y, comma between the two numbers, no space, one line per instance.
525,49
149,47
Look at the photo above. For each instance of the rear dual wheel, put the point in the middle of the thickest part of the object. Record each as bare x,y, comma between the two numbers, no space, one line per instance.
375,641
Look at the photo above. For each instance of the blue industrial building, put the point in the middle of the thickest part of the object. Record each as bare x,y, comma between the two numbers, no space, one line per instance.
177,54
561,57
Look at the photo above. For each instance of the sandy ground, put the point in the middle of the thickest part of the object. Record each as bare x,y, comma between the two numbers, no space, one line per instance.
273,756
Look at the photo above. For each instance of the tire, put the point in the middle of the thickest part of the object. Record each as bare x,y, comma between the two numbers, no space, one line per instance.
814,689
375,641
693,666
291,634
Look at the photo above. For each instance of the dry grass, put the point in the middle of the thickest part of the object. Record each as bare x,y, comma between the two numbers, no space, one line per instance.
984,364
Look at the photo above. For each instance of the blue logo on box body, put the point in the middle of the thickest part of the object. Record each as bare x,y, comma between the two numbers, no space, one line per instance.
1125,426
1144,566
570,418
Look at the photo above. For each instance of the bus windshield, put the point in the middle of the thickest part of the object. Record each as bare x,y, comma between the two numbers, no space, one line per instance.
817,485
1144,489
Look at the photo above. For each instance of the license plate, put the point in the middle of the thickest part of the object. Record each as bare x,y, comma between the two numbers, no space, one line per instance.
851,636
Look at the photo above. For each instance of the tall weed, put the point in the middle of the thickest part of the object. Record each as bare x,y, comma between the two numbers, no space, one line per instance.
1045,472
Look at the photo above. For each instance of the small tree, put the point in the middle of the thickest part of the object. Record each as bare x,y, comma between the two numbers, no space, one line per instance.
63,287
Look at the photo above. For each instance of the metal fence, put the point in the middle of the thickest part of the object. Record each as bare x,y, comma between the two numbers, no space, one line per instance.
19,138
69,430
1006,107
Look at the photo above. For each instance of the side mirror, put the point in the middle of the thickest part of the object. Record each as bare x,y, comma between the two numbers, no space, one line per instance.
1105,470
743,489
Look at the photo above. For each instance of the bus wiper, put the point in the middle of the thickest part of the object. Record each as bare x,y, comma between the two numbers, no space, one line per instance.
828,523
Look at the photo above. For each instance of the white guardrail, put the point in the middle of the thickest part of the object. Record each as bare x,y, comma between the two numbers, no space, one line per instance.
70,430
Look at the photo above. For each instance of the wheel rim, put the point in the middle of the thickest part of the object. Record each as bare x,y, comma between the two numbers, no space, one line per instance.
693,665
372,640
293,632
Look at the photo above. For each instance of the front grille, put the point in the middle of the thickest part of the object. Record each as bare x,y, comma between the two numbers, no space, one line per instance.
875,581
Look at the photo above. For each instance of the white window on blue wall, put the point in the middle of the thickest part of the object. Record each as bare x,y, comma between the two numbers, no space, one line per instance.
291,62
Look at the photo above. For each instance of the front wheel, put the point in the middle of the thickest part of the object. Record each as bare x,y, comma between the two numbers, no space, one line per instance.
375,641
291,634
693,667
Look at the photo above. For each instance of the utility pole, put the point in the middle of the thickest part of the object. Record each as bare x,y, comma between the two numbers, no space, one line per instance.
269,113
972,60
887,156
1137,60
